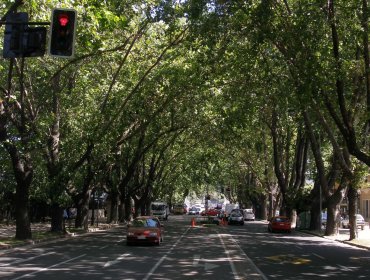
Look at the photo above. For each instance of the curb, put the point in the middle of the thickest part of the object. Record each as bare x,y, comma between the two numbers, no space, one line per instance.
337,240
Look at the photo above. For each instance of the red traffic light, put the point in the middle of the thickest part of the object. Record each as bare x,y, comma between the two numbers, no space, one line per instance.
63,19
62,33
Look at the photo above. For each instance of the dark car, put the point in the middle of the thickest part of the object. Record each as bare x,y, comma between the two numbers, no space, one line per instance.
145,229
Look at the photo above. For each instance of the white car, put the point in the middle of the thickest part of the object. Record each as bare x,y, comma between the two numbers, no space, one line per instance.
194,211
236,218
248,215
360,221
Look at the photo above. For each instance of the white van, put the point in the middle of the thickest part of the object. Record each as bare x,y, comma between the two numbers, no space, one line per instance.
248,215
160,210
229,207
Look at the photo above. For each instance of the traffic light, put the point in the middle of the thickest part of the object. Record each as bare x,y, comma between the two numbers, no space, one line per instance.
62,34
20,40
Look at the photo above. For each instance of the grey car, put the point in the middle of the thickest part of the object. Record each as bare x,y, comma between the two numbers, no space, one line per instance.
236,218
360,221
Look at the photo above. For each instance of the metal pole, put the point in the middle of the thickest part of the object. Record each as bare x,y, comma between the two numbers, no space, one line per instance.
12,9
97,216
93,210
320,208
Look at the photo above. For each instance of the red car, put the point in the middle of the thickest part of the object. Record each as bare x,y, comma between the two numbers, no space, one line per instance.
145,229
210,212
279,223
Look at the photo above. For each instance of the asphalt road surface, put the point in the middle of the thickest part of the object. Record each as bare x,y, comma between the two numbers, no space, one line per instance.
219,252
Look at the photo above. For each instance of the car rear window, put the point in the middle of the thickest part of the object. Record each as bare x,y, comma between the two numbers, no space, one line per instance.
281,219
145,223
236,214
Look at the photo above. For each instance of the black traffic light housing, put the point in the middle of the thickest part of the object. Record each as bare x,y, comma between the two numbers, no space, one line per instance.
62,32
20,40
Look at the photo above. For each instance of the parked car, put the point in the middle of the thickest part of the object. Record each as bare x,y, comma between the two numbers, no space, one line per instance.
145,229
211,212
248,215
236,210
194,211
179,209
324,218
236,218
360,221
230,207
279,223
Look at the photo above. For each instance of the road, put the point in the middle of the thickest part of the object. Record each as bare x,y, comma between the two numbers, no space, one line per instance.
230,252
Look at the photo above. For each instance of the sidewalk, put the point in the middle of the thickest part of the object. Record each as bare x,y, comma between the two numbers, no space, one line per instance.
363,240
41,233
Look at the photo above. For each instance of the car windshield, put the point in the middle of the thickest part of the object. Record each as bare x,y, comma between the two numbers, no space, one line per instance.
359,217
236,214
281,219
158,207
145,223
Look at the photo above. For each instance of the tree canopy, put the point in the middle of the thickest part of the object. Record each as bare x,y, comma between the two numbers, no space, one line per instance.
167,97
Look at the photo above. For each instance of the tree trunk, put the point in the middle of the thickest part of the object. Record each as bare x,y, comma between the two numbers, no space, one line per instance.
263,202
352,209
113,215
330,219
57,223
128,209
315,217
23,223
23,172
82,204
315,221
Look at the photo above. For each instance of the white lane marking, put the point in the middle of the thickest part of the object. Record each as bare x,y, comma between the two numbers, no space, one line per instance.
196,260
120,258
236,276
263,276
150,273
233,269
25,260
47,268
320,257
205,263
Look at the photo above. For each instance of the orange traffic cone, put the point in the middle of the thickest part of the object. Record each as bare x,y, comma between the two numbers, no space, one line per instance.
192,222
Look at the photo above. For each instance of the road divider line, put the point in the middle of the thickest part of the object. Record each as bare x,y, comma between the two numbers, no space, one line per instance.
320,257
25,260
47,268
233,269
120,258
154,268
247,268
263,276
